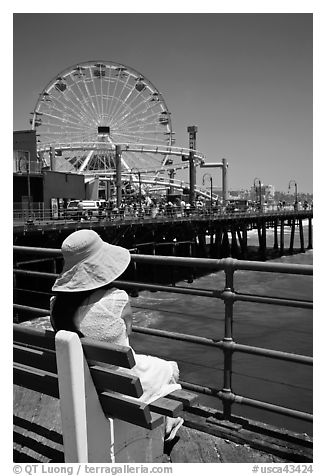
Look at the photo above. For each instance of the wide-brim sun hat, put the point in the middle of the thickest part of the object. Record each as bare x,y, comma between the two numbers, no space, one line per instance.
89,262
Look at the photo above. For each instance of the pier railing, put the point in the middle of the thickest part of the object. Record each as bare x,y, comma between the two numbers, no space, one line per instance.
228,295
37,215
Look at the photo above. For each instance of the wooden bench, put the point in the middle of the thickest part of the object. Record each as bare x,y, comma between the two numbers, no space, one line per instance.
77,379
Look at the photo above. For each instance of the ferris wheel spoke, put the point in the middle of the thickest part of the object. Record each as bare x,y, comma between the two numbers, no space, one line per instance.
93,86
148,120
138,122
64,122
114,93
131,115
108,93
85,102
61,121
95,93
63,111
101,96
89,96
78,104
142,127
118,99
117,111
58,128
126,102
144,104
76,110
136,138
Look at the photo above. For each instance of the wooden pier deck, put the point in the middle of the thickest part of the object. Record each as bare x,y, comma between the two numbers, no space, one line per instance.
196,446
38,438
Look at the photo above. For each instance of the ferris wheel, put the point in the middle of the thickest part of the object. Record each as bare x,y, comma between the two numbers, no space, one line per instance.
88,109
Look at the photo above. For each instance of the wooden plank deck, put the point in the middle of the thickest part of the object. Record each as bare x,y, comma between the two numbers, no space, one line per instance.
195,446
37,437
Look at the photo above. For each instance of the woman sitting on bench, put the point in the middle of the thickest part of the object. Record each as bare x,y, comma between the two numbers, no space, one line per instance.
86,302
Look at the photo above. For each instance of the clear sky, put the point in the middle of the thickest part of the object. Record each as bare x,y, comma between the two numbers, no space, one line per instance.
245,80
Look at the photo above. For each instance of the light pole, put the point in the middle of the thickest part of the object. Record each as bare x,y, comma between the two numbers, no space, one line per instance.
259,187
192,131
295,192
211,180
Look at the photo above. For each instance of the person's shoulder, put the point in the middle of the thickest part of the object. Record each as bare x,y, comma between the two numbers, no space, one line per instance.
116,293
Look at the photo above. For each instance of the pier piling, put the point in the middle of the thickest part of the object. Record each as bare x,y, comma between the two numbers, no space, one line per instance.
292,236
302,248
275,234
282,237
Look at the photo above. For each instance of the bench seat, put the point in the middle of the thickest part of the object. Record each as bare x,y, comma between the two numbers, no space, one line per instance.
98,402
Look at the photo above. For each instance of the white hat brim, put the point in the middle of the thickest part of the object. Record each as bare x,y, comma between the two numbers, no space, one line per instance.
97,270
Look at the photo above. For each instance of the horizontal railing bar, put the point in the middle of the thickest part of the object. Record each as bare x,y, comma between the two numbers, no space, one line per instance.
186,290
207,263
304,269
272,408
246,349
169,289
246,401
225,263
273,300
36,250
35,261
40,274
276,354
35,310
133,285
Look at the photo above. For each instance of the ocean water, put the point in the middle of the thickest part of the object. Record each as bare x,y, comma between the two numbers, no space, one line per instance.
262,325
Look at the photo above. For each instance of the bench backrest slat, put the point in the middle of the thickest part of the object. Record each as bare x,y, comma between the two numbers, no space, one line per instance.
94,350
116,381
133,412
34,350
108,353
37,380
34,337
34,357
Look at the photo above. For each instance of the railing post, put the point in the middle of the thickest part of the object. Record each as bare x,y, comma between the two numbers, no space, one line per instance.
228,297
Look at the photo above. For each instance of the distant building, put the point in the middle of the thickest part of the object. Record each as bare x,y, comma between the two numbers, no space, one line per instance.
36,188
25,153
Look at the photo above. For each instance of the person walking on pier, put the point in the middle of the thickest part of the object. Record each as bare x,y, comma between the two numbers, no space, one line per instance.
86,302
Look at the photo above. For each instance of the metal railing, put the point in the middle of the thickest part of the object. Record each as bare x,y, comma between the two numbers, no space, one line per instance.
39,215
229,296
